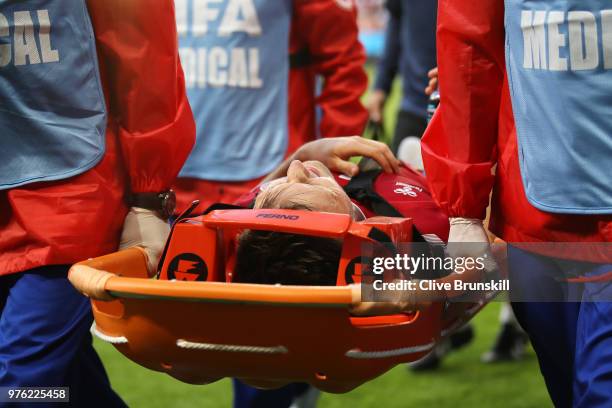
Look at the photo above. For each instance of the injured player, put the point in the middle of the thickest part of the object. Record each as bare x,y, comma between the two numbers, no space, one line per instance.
320,177
306,182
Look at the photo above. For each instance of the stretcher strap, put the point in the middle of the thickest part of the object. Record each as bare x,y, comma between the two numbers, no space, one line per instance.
231,348
356,353
105,337
361,189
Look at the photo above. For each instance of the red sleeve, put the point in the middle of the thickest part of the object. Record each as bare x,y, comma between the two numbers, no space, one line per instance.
247,199
145,89
329,30
459,146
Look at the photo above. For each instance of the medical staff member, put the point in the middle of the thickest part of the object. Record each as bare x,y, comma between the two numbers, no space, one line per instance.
94,120
253,69
534,100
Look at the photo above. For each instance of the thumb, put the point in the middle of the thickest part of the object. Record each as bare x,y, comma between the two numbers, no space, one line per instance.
345,167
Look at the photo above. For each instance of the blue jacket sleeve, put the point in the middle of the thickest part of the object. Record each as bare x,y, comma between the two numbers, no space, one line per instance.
387,68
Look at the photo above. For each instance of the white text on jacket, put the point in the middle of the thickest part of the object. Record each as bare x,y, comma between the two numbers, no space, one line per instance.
31,42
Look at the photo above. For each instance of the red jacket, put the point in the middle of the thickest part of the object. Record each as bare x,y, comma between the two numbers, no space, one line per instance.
473,131
325,42
149,134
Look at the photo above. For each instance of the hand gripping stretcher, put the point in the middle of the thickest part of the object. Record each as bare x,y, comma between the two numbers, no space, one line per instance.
194,324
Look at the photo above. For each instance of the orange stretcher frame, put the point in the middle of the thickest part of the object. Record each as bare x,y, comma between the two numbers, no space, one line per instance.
265,335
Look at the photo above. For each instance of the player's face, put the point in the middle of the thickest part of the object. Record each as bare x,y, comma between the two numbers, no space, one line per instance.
309,185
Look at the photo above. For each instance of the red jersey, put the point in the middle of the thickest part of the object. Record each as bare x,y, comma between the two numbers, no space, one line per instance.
149,134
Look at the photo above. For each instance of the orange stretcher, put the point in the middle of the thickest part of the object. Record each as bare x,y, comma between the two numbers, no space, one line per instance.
194,324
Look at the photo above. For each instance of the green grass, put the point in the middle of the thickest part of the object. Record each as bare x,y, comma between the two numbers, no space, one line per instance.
462,380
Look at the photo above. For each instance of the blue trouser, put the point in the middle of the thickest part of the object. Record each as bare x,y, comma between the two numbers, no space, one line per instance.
570,326
248,397
45,339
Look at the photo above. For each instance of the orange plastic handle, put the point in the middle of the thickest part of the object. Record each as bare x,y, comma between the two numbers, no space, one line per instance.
341,296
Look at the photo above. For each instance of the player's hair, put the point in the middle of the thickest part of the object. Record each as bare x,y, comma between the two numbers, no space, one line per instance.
289,259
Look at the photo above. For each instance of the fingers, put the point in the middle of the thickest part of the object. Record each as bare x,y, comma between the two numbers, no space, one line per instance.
408,305
345,167
375,309
335,153
379,152
433,85
433,81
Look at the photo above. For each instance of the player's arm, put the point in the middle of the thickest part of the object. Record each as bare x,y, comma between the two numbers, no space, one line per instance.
336,152
459,146
329,28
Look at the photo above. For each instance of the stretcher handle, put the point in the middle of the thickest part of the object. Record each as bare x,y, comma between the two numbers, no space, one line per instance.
90,282
90,277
